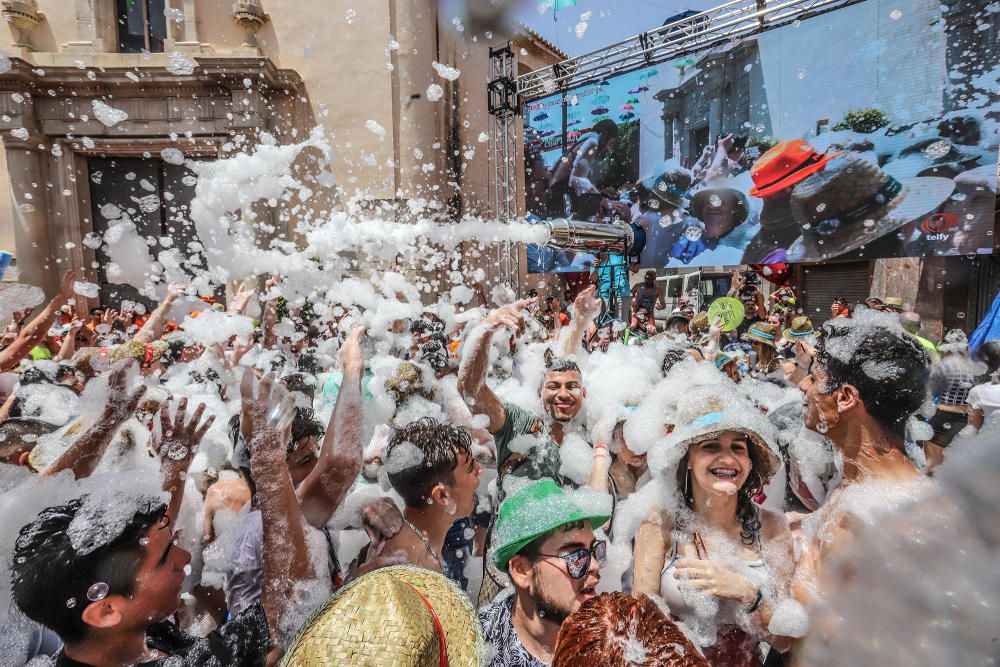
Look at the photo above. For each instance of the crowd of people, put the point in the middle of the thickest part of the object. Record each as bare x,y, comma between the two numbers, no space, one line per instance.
536,484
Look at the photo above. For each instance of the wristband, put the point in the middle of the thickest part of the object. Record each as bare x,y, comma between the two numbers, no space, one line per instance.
756,602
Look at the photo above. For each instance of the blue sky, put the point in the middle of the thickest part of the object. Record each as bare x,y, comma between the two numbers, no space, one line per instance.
610,20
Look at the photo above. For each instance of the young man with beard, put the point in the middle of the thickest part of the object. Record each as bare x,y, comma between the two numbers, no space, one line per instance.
866,379
561,393
546,545
432,467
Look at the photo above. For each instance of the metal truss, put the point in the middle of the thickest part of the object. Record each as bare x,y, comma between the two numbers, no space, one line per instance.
503,107
739,18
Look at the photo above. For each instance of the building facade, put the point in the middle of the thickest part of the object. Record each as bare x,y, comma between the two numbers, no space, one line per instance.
99,94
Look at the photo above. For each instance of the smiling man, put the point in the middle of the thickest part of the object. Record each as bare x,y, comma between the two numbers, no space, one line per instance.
561,393
546,545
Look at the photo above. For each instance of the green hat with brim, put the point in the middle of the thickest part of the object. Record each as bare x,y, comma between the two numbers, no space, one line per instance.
533,511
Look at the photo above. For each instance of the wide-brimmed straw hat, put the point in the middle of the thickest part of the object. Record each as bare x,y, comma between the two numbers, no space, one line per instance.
801,328
762,332
784,165
706,414
852,203
401,616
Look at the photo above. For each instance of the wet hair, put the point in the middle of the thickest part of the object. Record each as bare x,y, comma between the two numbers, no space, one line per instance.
989,354
305,425
672,358
533,549
554,364
19,434
47,572
599,633
889,400
440,445
746,509
607,129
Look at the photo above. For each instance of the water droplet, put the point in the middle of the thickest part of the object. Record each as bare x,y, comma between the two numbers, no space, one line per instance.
715,200
801,73
960,316
869,223
98,591
938,149
895,15
70,603
820,207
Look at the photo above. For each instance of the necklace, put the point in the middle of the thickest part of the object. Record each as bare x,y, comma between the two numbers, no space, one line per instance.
423,538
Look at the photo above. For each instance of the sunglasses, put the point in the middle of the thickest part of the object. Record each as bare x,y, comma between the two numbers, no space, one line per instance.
578,562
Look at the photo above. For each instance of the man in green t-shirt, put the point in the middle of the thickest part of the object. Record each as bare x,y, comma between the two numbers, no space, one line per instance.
561,393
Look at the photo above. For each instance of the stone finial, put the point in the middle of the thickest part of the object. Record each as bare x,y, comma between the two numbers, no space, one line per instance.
251,15
23,16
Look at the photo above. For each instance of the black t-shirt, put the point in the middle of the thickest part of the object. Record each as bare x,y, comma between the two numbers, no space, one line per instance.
242,641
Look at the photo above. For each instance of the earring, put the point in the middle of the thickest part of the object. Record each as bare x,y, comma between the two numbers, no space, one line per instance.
687,483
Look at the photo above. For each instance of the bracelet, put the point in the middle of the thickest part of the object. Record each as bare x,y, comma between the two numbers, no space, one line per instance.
756,602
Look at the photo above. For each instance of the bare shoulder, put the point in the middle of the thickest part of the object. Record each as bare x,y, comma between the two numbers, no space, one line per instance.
773,525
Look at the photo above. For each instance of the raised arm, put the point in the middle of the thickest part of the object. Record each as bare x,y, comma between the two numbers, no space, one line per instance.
83,455
269,317
177,447
286,556
586,307
340,457
153,328
36,330
472,385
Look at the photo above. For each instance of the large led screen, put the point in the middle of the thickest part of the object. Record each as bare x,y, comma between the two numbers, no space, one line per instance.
869,131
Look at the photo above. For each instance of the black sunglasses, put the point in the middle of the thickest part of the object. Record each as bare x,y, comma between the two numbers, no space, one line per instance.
578,562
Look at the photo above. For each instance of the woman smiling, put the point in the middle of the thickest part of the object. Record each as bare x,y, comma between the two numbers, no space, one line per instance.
721,563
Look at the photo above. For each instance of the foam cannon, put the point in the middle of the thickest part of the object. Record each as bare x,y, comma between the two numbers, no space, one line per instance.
623,238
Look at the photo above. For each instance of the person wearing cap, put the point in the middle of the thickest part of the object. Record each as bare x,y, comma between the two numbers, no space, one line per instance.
763,336
660,204
874,303
717,544
800,329
893,304
677,323
774,175
545,543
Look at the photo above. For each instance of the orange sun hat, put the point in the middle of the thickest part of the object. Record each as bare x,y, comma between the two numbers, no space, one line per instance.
784,165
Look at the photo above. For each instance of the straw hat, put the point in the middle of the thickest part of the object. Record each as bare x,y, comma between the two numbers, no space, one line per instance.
893,302
705,413
144,353
762,332
401,616
802,327
784,165
853,202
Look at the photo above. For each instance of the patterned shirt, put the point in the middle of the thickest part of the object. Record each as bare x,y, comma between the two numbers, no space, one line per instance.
504,649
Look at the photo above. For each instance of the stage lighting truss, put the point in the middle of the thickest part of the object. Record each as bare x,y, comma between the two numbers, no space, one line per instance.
503,106
740,18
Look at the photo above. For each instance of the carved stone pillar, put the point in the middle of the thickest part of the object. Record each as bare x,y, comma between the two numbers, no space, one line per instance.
23,16
251,16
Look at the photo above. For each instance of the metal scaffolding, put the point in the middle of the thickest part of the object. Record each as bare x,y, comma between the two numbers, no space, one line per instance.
733,20
504,108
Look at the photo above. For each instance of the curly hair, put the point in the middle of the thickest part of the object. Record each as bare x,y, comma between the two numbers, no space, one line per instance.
440,446
619,630
746,508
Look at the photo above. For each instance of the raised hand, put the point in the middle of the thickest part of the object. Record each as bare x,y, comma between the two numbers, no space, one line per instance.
509,316
178,441
66,284
266,416
121,404
351,357
587,305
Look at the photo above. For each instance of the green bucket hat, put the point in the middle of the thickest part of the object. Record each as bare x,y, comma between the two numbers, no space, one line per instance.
530,513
